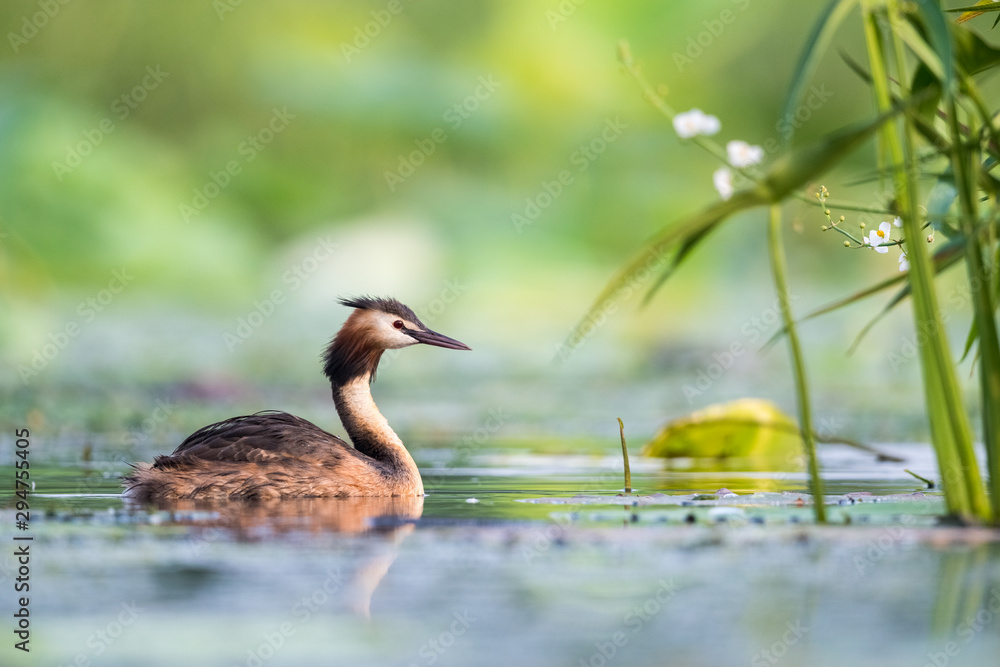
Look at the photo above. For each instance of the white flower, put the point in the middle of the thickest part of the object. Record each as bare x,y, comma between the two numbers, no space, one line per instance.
723,180
904,264
694,122
741,154
876,237
897,222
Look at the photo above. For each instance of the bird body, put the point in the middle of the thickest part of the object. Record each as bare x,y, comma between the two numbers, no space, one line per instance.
272,454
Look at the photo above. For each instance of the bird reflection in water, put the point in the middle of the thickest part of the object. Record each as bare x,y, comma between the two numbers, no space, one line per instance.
386,519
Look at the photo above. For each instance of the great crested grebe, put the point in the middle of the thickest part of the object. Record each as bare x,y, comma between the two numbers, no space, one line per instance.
277,455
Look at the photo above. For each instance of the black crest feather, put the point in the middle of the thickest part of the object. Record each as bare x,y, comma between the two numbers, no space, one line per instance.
386,305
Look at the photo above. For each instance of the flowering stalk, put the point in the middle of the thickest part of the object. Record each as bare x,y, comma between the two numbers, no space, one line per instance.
660,104
697,126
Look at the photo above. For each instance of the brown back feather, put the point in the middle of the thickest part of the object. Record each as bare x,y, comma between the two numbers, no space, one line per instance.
264,437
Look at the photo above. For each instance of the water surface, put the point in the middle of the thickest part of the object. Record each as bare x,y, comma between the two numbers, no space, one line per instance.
514,559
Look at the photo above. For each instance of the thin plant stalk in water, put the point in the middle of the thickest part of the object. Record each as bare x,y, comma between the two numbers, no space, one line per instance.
628,473
778,270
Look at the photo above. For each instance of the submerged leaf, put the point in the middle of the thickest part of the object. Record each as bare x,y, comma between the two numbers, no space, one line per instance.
752,430
748,428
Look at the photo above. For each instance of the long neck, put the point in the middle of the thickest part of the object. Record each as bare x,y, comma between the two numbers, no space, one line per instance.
369,430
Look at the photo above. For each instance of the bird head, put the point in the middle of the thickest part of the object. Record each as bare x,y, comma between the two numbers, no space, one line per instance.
376,325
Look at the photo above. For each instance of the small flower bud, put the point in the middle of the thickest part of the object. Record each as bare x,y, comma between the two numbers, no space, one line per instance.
824,228
930,238
841,218
847,244
826,212
861,224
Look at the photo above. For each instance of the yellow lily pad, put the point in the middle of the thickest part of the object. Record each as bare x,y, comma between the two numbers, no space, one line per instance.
751,429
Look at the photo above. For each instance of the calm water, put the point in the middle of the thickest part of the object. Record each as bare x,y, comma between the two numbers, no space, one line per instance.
512,559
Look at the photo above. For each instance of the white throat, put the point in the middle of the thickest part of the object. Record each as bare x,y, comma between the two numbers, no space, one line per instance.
372,435
356,401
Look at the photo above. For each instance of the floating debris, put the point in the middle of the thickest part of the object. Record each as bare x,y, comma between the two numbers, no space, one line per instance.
722,514
758,499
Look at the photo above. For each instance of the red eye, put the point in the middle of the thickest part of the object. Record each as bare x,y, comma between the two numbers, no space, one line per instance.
398,324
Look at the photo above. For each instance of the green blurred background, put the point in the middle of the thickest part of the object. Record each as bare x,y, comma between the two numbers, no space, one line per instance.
116,115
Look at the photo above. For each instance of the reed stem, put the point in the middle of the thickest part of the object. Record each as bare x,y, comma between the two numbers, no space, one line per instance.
628,473
949,425
981,285
778,269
